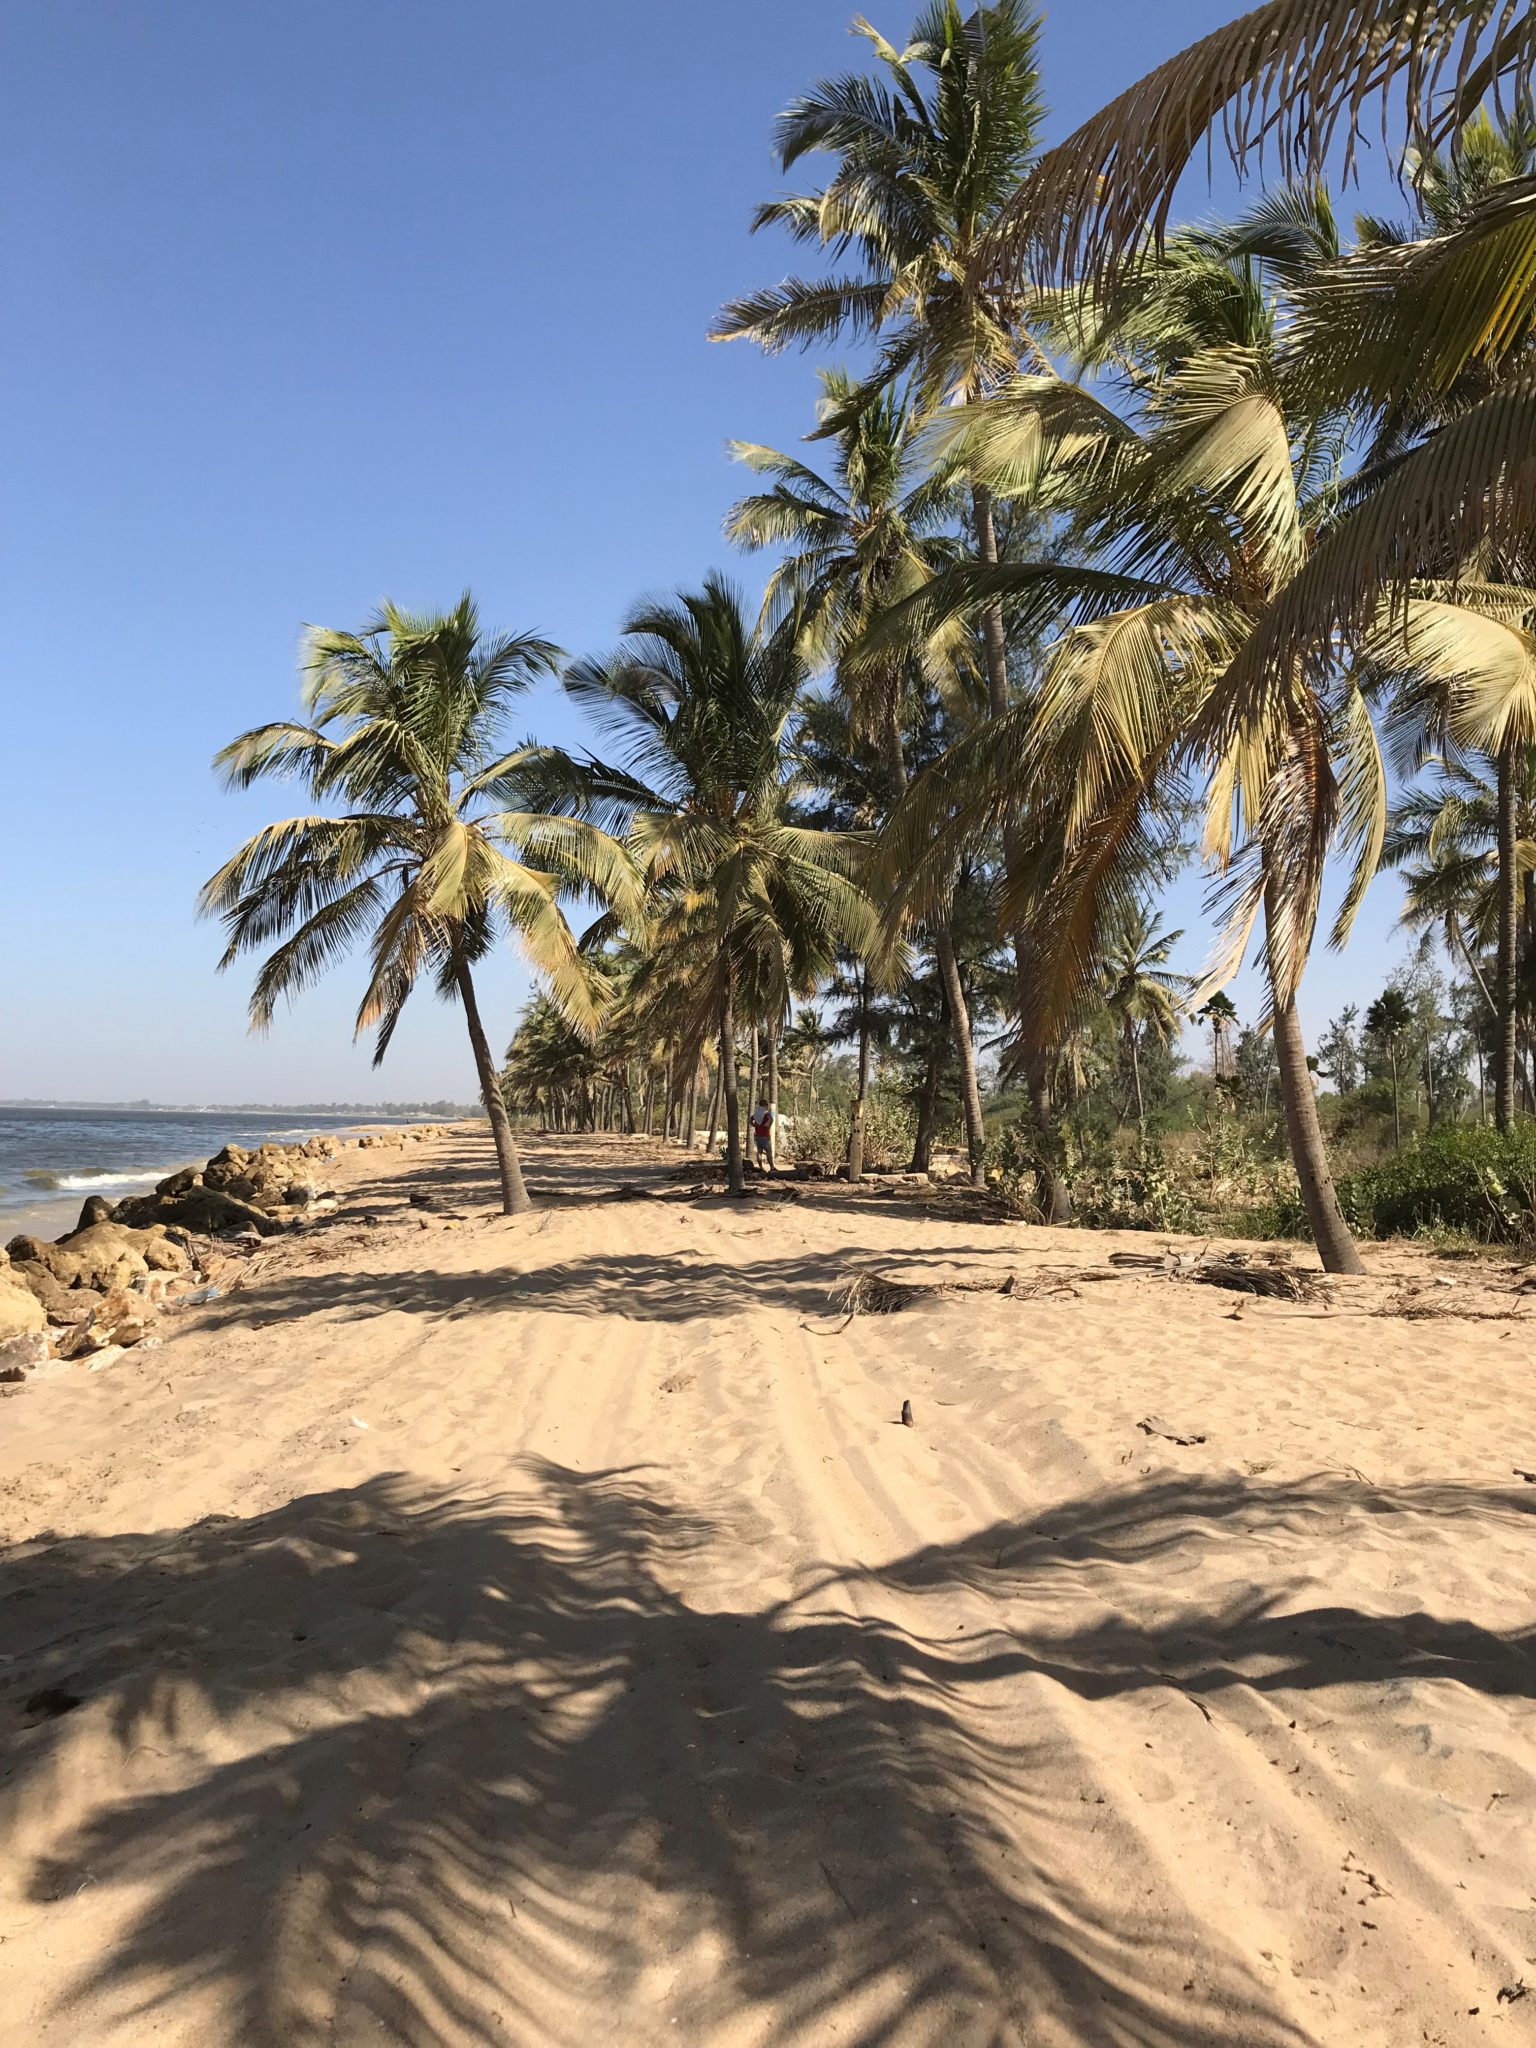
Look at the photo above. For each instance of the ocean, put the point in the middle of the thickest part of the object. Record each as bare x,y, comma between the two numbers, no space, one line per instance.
51,1159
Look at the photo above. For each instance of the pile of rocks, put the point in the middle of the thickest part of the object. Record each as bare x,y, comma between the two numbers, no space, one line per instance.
97,1289
100,1287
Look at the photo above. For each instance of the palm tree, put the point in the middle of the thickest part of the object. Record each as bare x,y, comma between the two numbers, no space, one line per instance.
1386,1020
427,859
1195,510
1141,992
702,702
859,542
928,152
1220,1012
1292,78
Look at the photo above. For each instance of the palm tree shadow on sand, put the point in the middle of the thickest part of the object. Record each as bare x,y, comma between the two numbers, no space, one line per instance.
394,1765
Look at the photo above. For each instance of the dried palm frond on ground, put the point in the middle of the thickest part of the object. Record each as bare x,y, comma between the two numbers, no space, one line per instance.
880,1294
1270,1276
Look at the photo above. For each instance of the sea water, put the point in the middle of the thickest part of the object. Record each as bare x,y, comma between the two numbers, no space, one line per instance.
52,1159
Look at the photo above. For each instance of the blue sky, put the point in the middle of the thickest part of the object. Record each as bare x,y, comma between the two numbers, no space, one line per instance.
321,300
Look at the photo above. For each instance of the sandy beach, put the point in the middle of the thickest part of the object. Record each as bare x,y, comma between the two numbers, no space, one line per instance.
545,1631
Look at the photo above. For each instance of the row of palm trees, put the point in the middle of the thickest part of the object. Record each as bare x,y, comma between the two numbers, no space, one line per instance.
1112,535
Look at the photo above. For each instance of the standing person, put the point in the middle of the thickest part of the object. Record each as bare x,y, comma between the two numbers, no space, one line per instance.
762,1134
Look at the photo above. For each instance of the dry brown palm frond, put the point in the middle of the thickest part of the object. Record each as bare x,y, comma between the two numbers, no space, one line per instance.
1292,80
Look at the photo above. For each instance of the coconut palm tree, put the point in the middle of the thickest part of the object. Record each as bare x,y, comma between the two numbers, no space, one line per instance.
702,701
1196,507
1142,993
858,542
1220,1012
1386,1020
927,156
427,858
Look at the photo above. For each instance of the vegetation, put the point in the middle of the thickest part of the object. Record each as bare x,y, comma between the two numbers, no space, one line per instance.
1118,549
428,861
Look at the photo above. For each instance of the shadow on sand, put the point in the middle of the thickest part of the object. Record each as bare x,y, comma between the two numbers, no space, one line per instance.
402,1766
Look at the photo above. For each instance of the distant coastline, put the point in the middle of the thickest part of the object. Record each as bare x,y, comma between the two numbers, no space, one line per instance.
444,1108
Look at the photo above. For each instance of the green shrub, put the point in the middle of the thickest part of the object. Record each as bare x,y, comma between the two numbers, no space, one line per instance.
1468,1181
819,1137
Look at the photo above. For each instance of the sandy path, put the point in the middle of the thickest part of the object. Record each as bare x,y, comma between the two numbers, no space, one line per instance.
545,1631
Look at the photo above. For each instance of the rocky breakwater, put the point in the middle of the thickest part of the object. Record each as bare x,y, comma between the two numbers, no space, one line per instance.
102,1287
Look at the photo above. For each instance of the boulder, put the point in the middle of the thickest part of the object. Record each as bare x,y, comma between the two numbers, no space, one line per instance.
180,1182
109,1255
39,1251
96,1209
61,1304
20,1310
122,1318
212,1212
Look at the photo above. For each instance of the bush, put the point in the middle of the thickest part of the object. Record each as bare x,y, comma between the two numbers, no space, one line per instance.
1469,1181
819,1137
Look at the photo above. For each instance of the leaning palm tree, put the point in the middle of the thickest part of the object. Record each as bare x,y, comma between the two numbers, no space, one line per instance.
858,541
1438,331
1144,995
426,859
753,906
1196,508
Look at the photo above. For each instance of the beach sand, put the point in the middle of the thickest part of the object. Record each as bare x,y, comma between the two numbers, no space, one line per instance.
545,1631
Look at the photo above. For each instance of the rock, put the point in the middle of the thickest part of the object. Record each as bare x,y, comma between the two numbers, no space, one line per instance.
109,1255
21,1355
181,1182
123,1318
299,1194
96,1209
61,1304
210,1211
20,1310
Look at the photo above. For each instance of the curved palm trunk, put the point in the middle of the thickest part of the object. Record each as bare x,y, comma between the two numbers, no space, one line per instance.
1304,1130
514,1196
1506,971
735,1171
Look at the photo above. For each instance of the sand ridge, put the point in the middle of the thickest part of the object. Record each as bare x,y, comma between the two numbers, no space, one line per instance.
544,1630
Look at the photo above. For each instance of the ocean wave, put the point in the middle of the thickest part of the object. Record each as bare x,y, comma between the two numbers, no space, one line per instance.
89,1180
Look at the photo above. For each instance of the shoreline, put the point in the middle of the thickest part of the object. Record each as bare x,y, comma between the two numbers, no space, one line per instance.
54,1214
584,1557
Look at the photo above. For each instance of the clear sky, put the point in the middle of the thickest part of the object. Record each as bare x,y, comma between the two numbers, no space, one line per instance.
321,300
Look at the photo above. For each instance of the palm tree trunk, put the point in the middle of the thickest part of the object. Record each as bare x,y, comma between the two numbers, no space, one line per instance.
965,1052
993,636
1506,972
1141,1102
754,1081
714,1106
514,1196
693,1105
856,1126
735,1170
949,977
773,1098
927,1107
1397,1114
1309,1155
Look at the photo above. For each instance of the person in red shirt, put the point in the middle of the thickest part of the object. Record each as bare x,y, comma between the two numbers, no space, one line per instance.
762,1135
